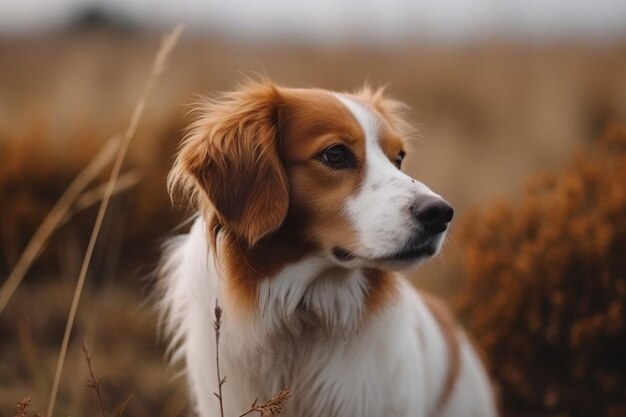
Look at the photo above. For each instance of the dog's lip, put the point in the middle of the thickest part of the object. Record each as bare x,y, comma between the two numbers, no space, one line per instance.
343,254
409,253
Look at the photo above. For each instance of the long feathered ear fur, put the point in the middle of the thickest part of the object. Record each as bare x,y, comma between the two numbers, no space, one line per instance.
230,159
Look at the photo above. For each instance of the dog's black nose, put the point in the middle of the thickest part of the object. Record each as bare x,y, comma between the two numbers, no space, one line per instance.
433,214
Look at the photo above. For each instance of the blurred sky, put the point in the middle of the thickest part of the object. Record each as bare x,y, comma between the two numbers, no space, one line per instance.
352,20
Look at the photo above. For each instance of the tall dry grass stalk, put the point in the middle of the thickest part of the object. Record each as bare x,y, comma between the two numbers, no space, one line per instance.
93,195
54,219
166,47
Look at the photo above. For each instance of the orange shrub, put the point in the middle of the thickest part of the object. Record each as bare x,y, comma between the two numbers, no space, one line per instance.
545,288
35,171
33,174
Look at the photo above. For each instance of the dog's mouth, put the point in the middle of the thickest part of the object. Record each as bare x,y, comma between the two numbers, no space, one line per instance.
412,252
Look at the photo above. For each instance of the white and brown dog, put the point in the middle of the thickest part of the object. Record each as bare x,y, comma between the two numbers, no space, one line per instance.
305,215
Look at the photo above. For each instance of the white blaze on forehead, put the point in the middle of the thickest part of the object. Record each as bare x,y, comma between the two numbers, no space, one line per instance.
368,121
381,209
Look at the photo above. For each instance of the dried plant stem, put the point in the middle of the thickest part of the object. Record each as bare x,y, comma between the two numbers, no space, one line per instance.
217,324
251,410
96,194
271,408
54,218
166,46
94,383
65,208
124,405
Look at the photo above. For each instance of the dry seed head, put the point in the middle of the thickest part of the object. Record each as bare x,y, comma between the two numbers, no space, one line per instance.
274,406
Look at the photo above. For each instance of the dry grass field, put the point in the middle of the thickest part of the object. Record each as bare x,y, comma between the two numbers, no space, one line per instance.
488,116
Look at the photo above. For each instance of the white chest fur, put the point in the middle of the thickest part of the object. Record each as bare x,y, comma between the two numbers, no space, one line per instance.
313,339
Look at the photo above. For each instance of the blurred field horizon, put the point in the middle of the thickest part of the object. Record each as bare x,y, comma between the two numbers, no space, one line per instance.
489,115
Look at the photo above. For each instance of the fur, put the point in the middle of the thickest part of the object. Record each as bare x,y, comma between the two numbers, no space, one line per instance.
302,253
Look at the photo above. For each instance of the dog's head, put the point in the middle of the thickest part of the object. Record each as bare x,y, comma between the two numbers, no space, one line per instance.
313,169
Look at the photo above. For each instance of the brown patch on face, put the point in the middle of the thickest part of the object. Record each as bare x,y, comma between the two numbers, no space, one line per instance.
392,128
312,121
449,329
392,144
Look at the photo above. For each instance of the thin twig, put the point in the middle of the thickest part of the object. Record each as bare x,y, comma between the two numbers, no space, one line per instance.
94,383
54,219
217,324
250,410
271,408
166,46
124,405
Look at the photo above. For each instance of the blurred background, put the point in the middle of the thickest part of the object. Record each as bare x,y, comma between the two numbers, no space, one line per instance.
518,108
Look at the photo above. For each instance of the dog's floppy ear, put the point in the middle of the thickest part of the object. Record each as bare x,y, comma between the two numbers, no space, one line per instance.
231,156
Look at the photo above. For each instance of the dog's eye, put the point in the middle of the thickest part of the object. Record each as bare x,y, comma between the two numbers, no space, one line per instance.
338,157
398,160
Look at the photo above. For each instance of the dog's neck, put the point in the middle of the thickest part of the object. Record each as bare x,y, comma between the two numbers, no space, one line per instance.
281,285
314,294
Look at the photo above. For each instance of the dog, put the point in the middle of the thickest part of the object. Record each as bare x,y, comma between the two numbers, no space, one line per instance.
304,219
